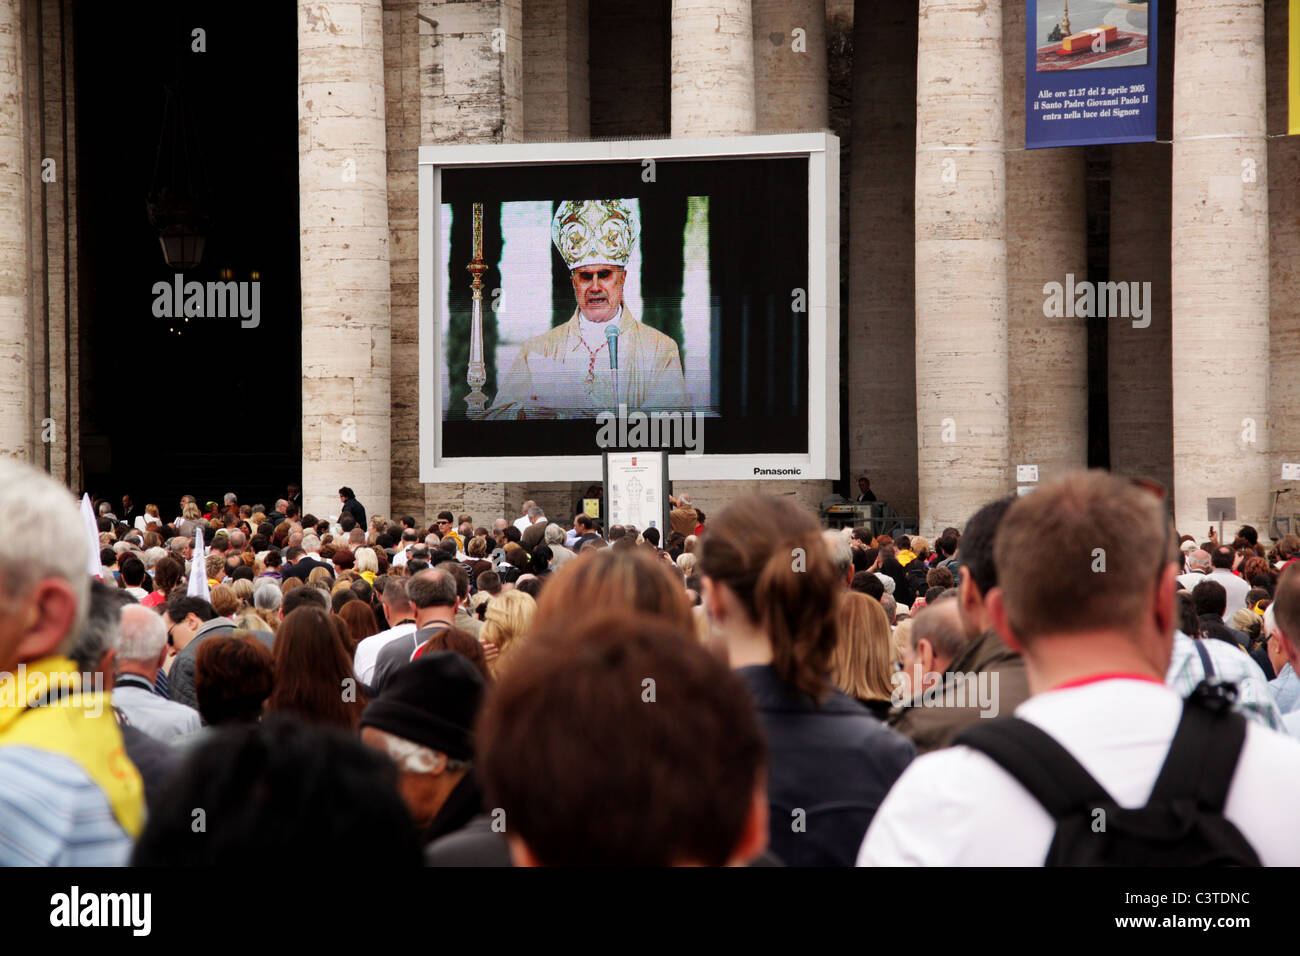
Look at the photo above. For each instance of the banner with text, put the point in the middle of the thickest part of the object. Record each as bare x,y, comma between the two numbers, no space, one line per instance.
1090,73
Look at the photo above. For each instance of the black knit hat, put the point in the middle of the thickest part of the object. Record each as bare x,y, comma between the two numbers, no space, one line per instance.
431,701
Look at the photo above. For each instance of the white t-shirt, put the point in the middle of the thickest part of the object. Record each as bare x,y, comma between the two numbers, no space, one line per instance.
956,807
367,653
1237,590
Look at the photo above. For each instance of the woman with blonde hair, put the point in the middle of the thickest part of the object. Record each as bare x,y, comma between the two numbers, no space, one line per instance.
191,519
149,519
367,564
687,562
321,577
507,624
243,591
862,664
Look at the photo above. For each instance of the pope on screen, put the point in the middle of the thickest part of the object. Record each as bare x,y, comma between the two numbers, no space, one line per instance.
565,373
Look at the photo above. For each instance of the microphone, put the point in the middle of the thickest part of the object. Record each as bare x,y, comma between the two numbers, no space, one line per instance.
611,338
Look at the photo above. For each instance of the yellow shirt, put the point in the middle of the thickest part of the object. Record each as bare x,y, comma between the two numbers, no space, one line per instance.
77,724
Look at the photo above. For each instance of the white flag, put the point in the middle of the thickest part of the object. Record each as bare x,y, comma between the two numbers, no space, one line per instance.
93,564
198,586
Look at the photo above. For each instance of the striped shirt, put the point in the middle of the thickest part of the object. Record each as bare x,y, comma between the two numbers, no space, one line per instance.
53,814
1231,664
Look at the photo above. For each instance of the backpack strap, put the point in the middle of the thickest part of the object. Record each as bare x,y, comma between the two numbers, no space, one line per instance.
1040,764
1202,758
1207,665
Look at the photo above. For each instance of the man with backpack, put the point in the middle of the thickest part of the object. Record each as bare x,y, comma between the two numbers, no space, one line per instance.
1104,764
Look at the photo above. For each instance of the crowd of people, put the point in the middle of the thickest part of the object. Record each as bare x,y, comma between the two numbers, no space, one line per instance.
248,682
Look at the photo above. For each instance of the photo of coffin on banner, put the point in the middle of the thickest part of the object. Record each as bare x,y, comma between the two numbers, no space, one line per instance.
1092,75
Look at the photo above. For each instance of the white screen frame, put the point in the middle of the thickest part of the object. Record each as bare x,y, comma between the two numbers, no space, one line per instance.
822,460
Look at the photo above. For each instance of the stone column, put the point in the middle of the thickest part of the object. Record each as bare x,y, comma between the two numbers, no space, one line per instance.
557,93
961,263
882,315
1220,262
343,218
790,87
467,83
712,68
1284,272
1046,230
15,339
51,227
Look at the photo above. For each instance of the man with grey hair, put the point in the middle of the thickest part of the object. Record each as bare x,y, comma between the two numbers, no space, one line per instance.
238,541
432,594
891,607
555,539
410,538
141,650
524,520
96,654
182,548
66,797
1198,566
841,555
1286,686
935,641
534,534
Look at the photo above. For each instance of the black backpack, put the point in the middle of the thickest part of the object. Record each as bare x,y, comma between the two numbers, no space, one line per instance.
1183,822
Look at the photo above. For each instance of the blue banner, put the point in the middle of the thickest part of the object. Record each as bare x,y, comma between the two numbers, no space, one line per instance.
1090,72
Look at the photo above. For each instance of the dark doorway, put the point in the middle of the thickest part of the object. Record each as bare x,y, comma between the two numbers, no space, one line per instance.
203,406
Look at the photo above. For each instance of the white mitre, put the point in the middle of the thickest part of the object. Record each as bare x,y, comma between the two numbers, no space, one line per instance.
592,232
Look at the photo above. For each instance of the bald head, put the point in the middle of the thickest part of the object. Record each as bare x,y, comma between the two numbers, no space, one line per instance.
940,625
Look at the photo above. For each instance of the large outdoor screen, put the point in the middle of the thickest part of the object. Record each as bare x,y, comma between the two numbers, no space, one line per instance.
585,297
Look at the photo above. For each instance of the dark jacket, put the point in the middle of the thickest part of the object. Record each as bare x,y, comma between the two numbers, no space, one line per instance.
462,805
180,679
903,592
474,844
303,567
935,727
155,760
829,767
357,510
